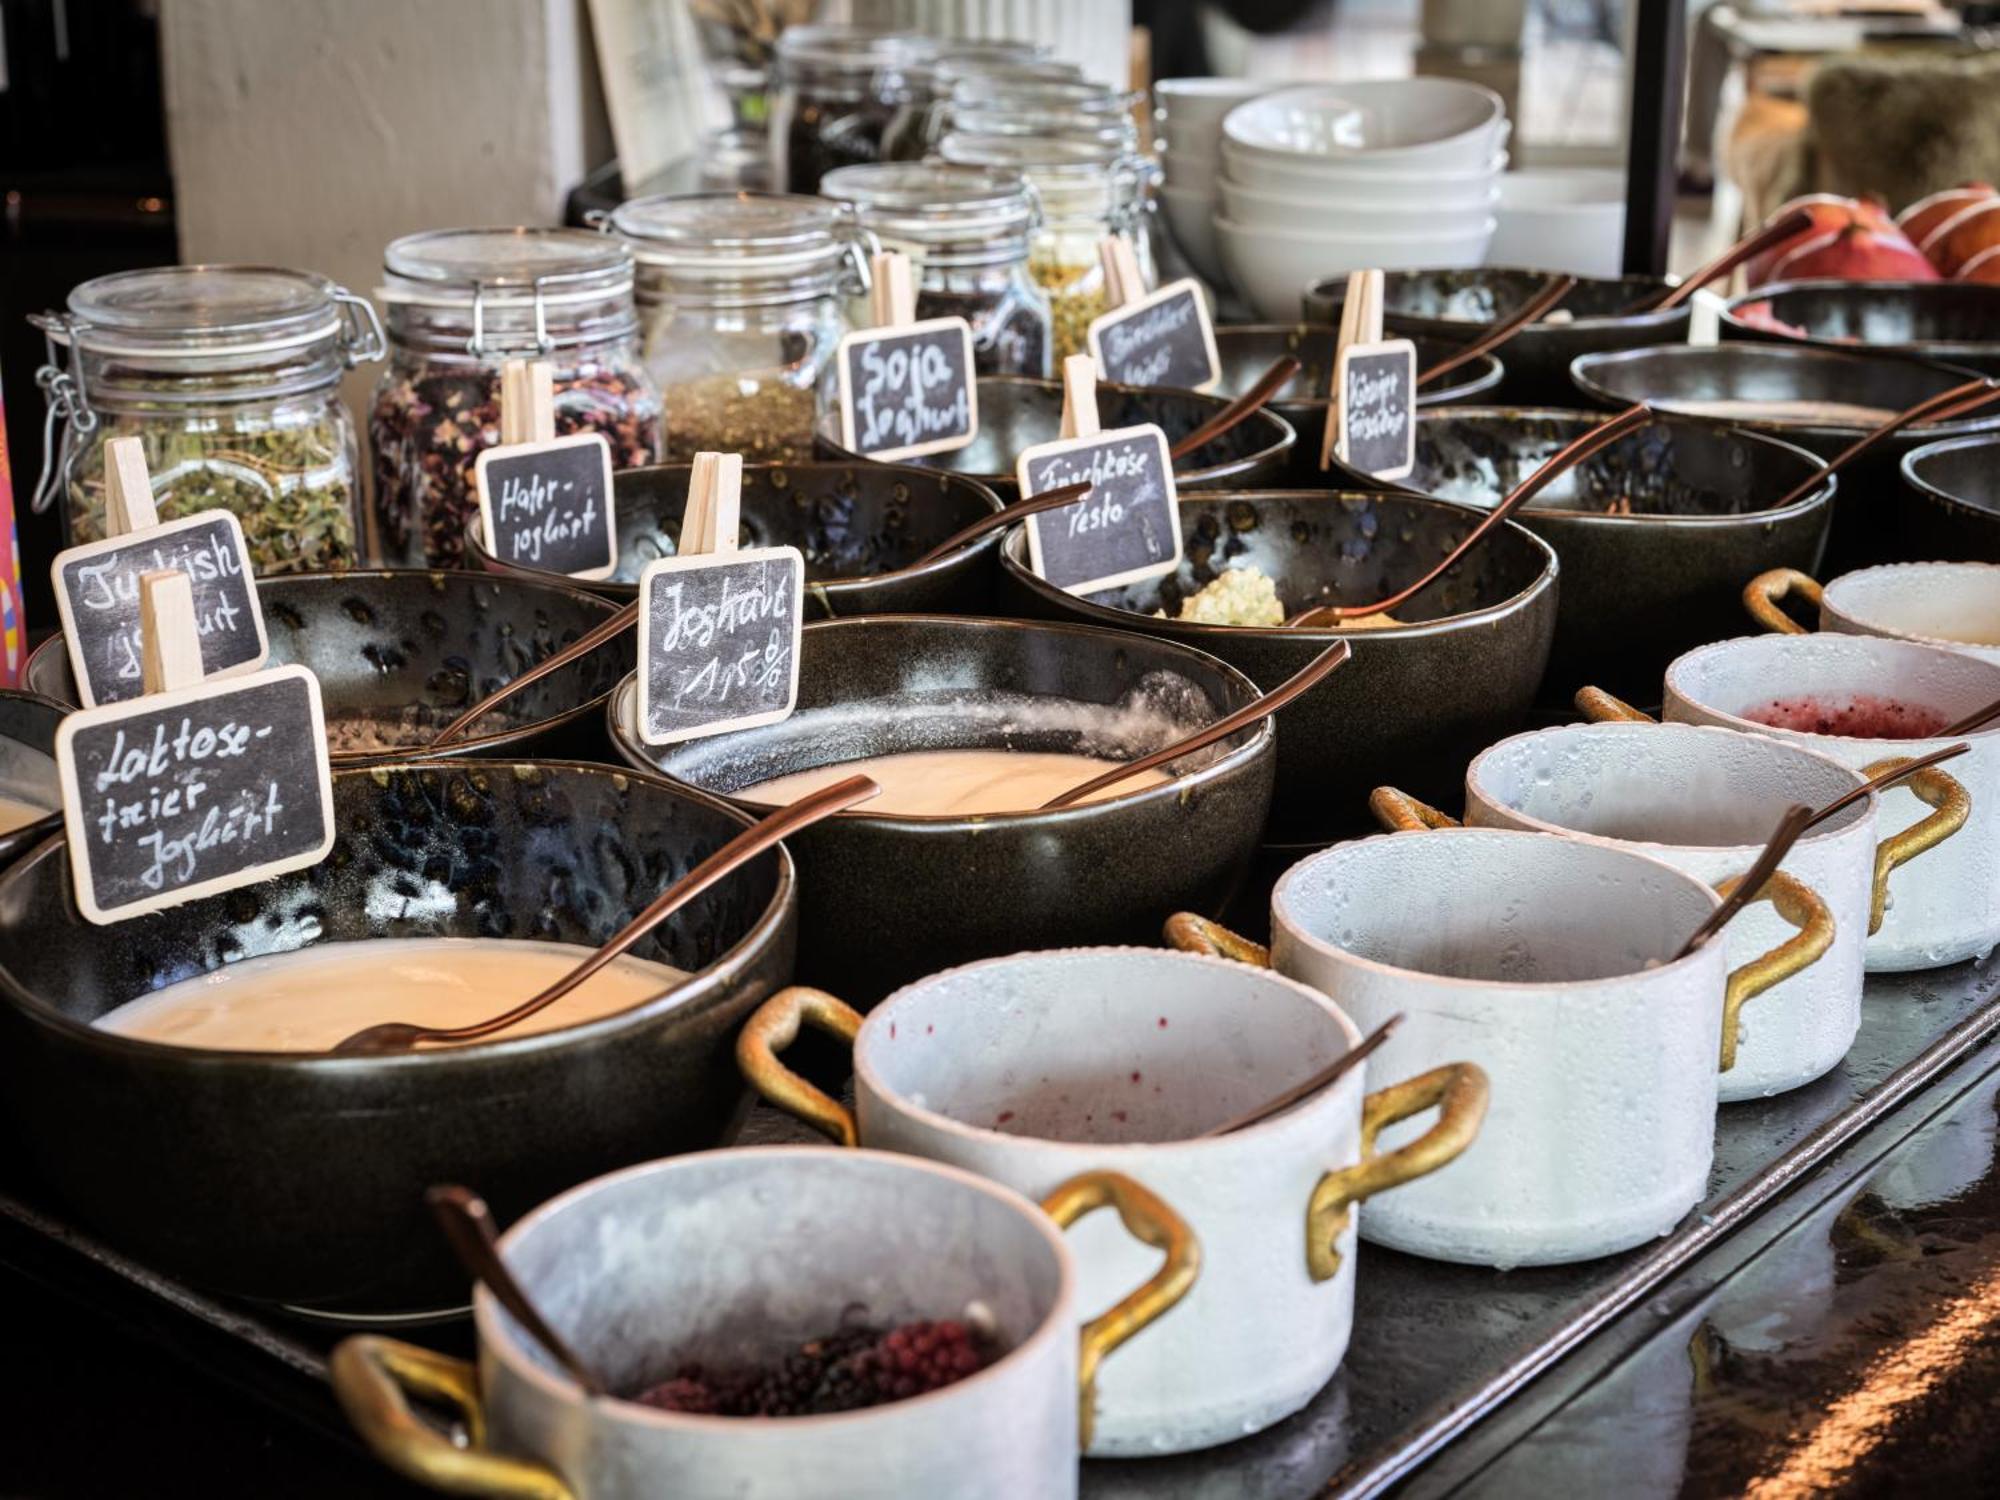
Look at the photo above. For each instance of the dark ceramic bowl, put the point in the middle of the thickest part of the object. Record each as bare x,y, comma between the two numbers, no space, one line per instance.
299,1179
1952,513
1657,533
859,525
1462,304
1957,322
1417,699
1249,349
401,652
886,900
1867,526
1016,412
28,765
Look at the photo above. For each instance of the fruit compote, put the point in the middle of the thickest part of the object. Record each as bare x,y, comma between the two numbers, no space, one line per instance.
1861,716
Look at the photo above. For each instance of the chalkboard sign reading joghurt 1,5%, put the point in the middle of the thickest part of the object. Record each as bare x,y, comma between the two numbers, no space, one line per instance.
718,642
1125,530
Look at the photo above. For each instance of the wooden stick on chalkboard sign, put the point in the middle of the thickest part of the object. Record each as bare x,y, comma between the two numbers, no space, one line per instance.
1165,337
907,388
545,502
1079,408
1360,323
98,595
197,787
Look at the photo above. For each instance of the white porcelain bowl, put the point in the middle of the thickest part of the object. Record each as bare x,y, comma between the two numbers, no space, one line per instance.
1255,208
1432,123
1346,177
1272,268
1199,104
1191,217
1562,219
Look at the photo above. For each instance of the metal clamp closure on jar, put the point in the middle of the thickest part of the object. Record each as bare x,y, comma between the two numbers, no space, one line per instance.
745,248
443,289
945,215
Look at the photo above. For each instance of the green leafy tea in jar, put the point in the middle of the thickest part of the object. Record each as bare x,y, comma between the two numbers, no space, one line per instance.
228,376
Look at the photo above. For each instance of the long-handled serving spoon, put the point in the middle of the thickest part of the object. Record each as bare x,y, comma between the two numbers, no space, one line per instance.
1748,248
998,520
1887,779
1557,288
1797,819
1574,453
1979,718
400,1036
1943,407
1267,385
1324,1078
468,1224
1258,708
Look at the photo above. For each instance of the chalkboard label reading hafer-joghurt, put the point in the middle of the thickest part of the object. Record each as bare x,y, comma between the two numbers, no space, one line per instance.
97,596
1126,529
1163,339
549,505
1377,385
718,642
187,793
908,390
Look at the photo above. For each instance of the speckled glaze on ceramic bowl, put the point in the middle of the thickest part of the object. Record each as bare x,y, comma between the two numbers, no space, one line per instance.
1868,526
1415,700
1638,589
1951,505
1952,605
888,899
1249,349
1016,412
1462,304
28,765
859,525
297,1178
1954,321
417,647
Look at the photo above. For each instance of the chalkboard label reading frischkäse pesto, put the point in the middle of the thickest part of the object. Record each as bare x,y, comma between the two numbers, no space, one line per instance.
1125,530
909,390
187,793
718,642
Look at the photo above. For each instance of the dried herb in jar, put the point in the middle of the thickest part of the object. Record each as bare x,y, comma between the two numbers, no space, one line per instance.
1076,299
763,417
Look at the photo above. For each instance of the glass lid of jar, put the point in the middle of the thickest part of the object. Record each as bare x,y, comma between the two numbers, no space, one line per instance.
204,308
1053,124
719,231
506,266
935,202
1061,94
1034,155
859,50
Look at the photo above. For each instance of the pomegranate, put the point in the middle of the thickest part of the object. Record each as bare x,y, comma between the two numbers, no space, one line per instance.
1921,217
1962,236
1829,212
1983,267
1856,252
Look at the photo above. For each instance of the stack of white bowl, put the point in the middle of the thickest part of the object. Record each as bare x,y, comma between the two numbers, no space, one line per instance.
1319,181
1190,112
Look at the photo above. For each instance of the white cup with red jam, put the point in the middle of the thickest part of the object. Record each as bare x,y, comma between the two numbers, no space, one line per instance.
1953,605
1867,702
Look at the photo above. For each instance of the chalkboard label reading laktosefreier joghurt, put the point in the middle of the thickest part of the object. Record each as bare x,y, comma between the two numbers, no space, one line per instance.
97,596
549,505
183,794
1163,339
1126,529
718,642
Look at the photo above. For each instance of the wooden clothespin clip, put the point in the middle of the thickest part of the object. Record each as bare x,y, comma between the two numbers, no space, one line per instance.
1079,412
714,505
128,489
892,292
527,402
1360,323
170,645
1123,281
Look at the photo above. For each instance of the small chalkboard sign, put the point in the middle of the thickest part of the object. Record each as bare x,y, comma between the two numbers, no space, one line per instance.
97,596
1377,386
1126,529
909,390
202,789
549,505
719,642
1166,338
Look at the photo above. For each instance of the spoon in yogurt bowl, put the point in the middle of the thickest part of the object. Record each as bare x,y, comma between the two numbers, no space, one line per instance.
390,1037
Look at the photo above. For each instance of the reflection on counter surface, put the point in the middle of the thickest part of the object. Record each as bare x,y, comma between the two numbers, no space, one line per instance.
309,1000
955,783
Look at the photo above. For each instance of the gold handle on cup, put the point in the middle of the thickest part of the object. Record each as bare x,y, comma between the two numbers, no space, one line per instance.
1193,934
1150,1221
1458,1091
774,1026
1954,805
1762,593
375,1377
1599,707
1797,904
1399,812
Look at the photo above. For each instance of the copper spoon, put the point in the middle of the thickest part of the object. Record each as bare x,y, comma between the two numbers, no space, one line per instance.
1797,819
400,1036
1268,385
996,520
1749,247
1575,452
1258,708
1886,780
1956,402
1979,718
1324,1078
584,644
468,1224
1557,288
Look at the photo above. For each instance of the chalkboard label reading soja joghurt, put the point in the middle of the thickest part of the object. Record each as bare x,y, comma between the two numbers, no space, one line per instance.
718,642
1377,385
1164,339
908,390
97,595
1125,530
549,505
187,793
